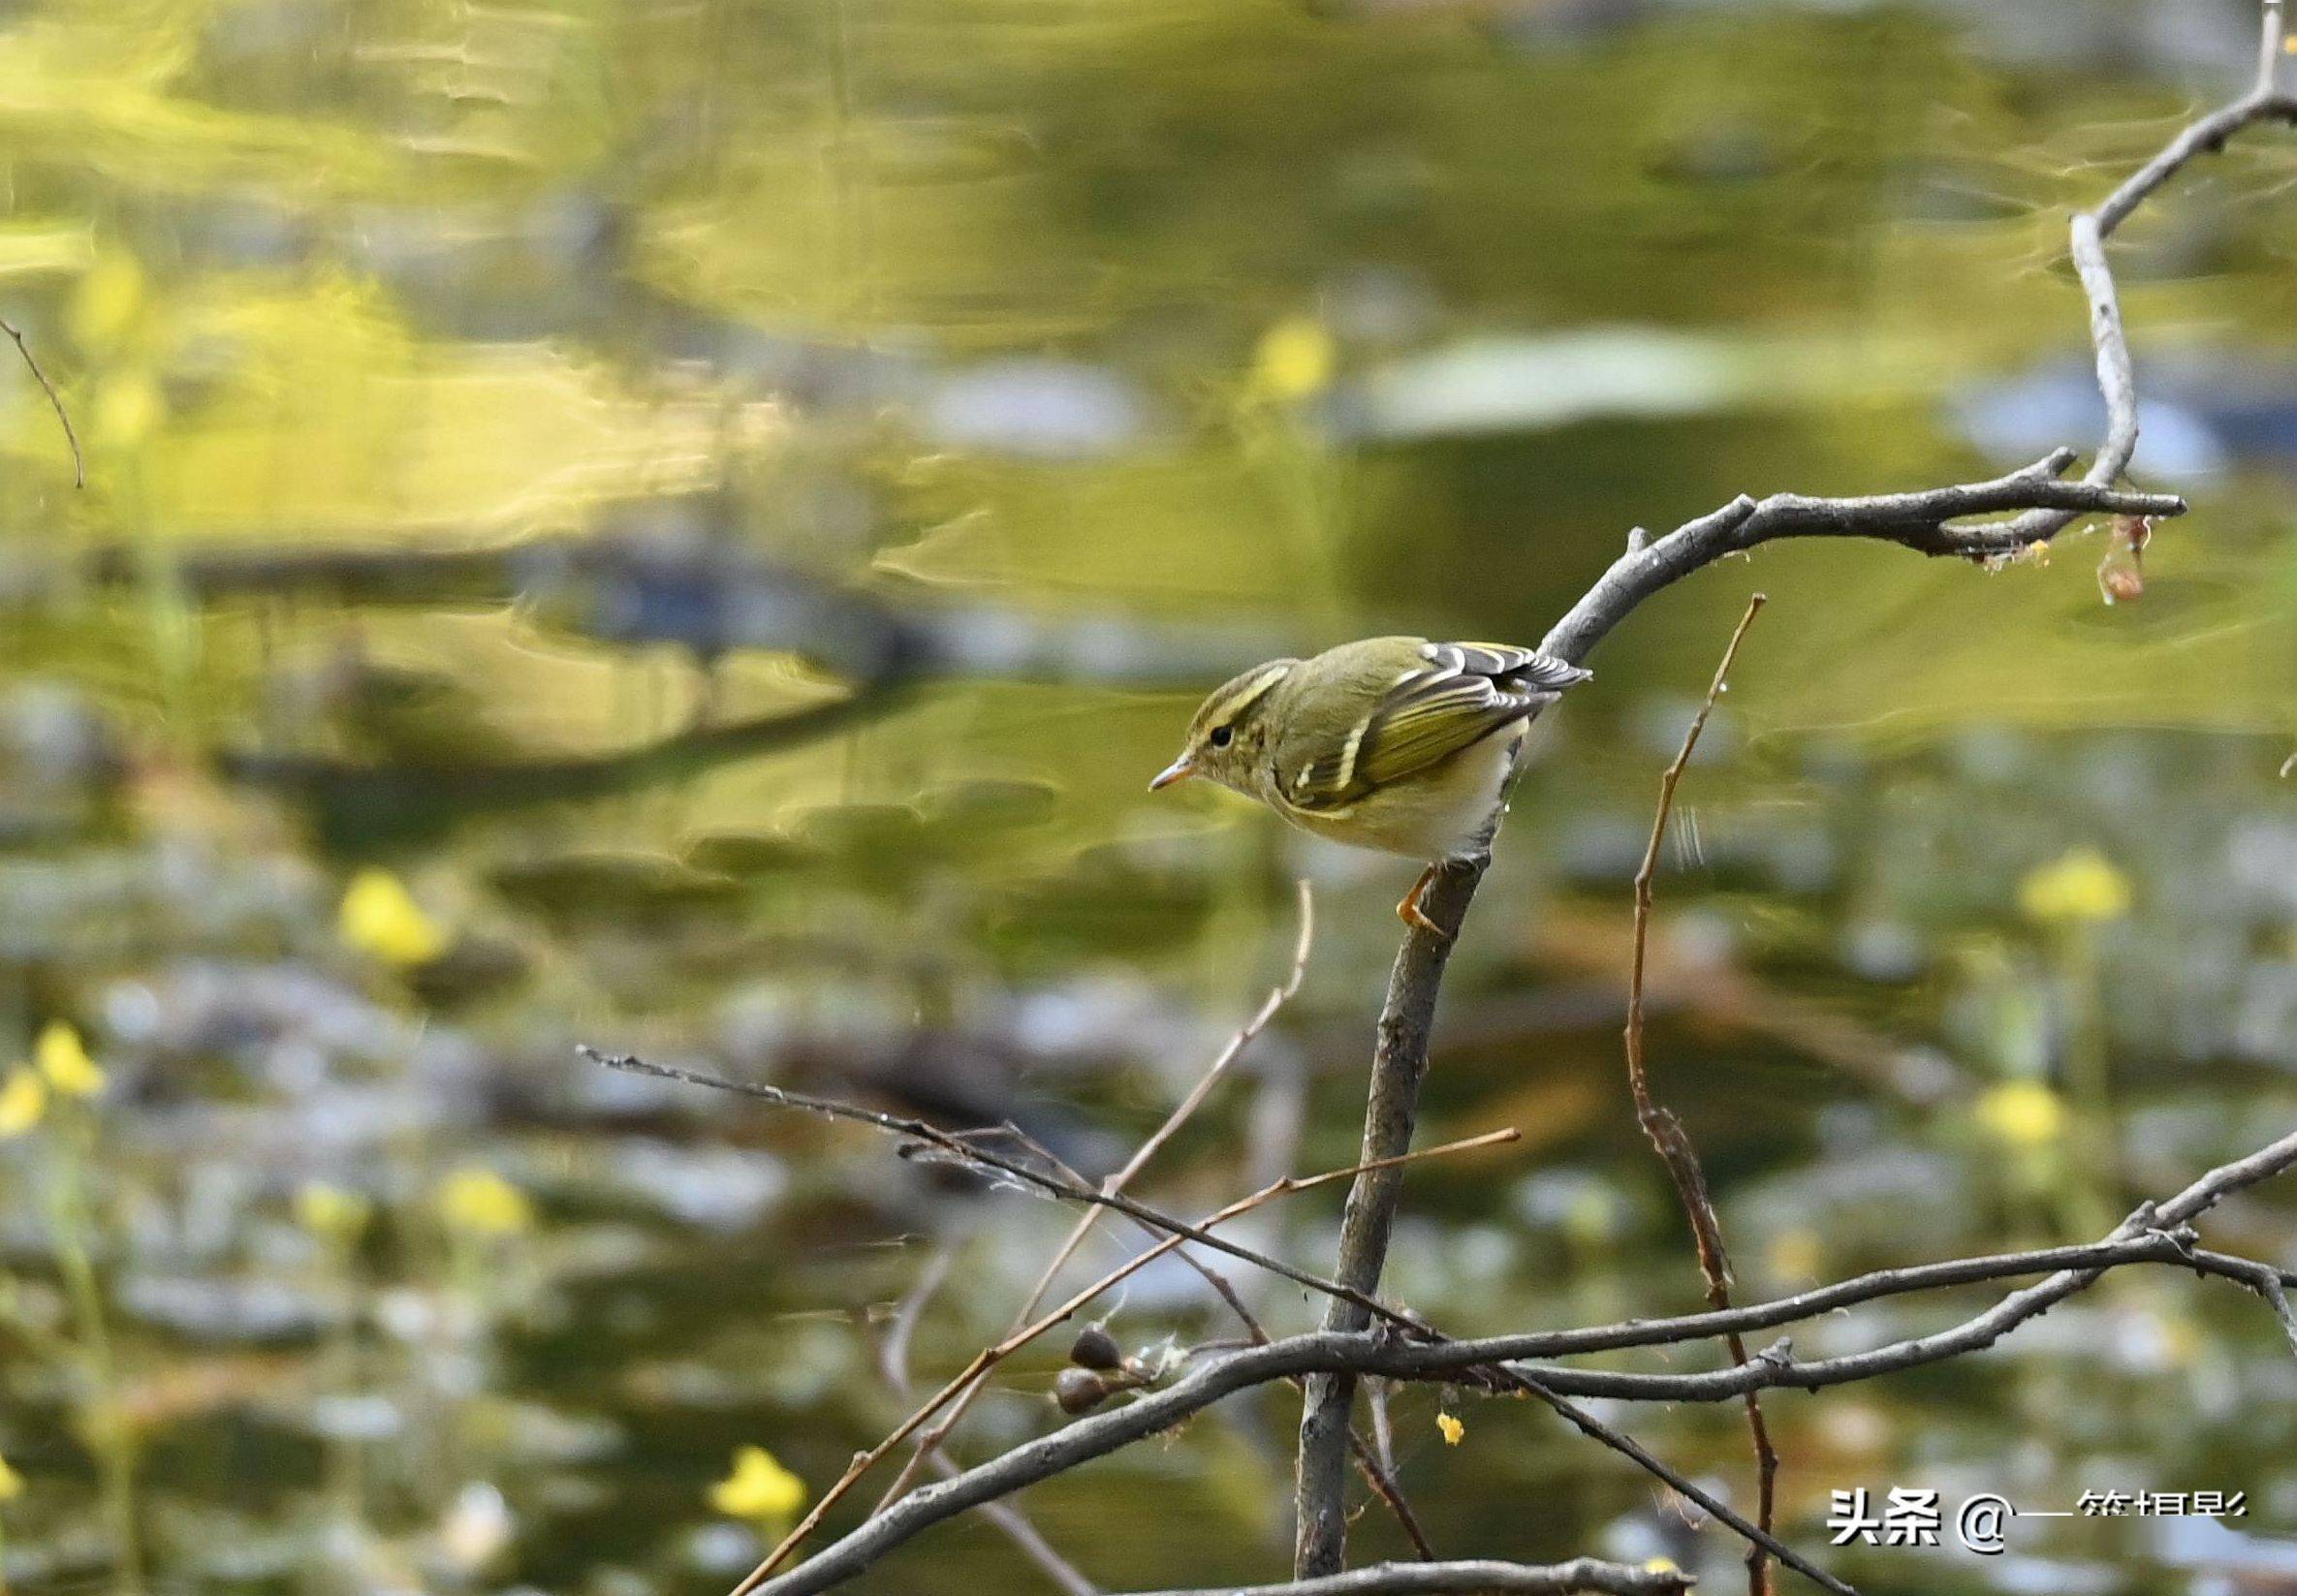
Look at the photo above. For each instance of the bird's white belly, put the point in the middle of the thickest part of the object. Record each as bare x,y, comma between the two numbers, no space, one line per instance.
1440,818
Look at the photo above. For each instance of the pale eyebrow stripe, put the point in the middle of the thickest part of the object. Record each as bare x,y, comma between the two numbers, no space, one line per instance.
1255,690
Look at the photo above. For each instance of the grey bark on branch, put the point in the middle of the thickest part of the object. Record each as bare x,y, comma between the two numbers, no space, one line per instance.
1365,1336
2151,1236
1929,522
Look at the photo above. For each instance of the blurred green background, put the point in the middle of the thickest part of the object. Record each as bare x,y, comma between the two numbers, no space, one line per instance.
686,528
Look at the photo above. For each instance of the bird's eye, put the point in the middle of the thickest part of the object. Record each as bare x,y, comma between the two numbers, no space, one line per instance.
1222,736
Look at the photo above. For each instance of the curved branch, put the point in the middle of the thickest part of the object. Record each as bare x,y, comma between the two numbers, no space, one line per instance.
1930,521
1776,1367
2159,1246
1923,520
2088,234
2147,1237
55,403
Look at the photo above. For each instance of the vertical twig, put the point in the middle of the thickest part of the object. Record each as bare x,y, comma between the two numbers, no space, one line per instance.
1391,1113
989,1357
1400,1063
78,467
1667,1135
893,1360
2269,46
1181,1113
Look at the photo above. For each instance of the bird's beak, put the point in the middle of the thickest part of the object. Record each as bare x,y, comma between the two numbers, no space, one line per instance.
1173,772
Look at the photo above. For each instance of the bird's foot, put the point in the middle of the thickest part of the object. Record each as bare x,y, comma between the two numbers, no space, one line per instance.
1410,912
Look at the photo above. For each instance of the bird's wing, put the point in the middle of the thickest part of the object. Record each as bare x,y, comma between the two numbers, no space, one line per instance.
1457,695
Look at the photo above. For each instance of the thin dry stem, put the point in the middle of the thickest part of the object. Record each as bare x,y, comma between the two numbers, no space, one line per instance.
989,1357
970,1153
893,1361
1668,1137
1936,521
2154,1234
55,403
1115,1184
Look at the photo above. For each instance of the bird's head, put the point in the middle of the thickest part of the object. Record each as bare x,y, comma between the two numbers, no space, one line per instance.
1230,733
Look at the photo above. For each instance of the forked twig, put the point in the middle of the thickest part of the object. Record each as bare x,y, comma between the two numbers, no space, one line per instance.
2152,1234
971,1153
1115,1184
1934,521
893,1361
989,1357
1375,1472
1668,1137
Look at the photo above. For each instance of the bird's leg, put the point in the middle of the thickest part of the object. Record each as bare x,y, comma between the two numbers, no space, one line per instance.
1409,911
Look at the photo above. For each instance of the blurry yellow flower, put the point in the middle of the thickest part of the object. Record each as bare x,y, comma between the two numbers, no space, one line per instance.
380,919
23,1099
2081,889
64,1062
758,1488
12,1484
478,1201
107,303
331,1212
2024,1114
1454,1431
128,409
1294,360
1661,1565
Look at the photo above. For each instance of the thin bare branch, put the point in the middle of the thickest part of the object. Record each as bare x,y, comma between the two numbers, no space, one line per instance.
893,1349
2268,1282
971,1153
1391,1115
989,1357
1762,1543
55,403
1920,520
1776,1366
1673,1141
893,1361
2153,1246
1930,521
1115,1184
2150,1235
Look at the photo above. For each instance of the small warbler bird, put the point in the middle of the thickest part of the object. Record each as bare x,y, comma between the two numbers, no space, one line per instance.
1394,743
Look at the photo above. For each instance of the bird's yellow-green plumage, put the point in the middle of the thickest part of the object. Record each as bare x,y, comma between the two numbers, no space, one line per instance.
1395,744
